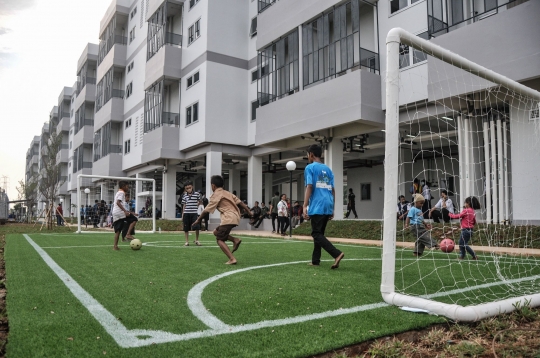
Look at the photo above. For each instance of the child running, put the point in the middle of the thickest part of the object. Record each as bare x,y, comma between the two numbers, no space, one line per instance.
122,216
415,221
468,220
227,204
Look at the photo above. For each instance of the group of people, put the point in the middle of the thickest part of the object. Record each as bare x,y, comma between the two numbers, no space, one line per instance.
420,209
318,208
97,214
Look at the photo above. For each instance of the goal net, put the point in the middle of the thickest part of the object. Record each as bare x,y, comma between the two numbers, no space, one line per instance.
456,130
95,197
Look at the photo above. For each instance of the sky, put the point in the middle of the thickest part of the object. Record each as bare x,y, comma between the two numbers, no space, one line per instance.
40,44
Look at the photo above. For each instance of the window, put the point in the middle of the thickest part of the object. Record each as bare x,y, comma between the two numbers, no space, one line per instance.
133,13
365,191
129,89
254,106
127,146
396,5
192,113
132,34
130,66
192,3
254,76
192,80
128,123
253,28
194,31
408,57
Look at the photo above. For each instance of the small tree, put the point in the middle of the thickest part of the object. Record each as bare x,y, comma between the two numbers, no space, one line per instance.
50,176
28,191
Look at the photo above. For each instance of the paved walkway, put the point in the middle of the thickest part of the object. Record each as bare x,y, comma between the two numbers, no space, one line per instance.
484,249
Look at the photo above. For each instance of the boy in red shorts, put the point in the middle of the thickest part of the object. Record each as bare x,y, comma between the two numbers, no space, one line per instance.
227,204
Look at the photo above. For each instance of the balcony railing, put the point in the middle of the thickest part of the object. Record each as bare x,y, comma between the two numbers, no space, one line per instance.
173,39
64,146
115,148
80,124
118,93
86,165
264,4
64,115
170,119
87,81
105,48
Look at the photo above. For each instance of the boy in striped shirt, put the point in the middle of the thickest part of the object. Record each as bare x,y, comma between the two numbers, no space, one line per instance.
190,204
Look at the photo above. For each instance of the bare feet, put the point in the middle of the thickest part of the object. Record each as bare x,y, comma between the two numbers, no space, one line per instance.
230,262
116,248
236,245
338,259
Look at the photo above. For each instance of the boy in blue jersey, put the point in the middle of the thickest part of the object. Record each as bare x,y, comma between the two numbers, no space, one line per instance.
319,205
415,221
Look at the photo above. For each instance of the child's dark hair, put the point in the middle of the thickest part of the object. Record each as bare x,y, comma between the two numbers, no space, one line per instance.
473,202
189,182
316,150
217,180
122,183
276,193
444,192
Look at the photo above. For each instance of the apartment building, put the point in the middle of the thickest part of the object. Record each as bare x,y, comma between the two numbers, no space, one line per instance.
183,90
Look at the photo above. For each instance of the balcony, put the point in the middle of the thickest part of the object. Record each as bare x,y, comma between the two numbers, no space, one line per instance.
351,101
63,125
111,164
264,4
63,188
518,59
165,63
86,93
85,135
112,110
116,57
63,153
161,143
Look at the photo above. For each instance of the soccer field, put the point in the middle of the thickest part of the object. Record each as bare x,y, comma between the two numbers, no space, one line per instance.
72,295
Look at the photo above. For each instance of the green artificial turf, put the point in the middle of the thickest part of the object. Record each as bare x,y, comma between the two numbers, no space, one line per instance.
148,289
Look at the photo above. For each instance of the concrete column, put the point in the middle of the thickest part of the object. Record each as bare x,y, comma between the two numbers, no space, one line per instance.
254,179
234,181
103,188
268,181
168,198
213,167
334,159
138,189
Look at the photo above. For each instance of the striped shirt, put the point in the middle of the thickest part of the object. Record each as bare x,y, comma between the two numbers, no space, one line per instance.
191,202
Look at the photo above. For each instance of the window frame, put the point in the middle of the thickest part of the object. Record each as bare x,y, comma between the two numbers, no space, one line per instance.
192,78
256,72
127,146
130,66
194,31
251,32
129,90
133,13
132,34
409,4
191,116
195,2
256,103
411,53
128,123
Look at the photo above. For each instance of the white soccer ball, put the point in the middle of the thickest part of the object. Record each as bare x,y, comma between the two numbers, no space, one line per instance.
135,244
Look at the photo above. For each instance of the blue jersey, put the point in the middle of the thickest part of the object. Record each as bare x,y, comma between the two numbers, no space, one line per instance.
416,216
321,178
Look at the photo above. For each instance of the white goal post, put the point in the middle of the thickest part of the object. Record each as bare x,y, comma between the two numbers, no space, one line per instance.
453,311
80,178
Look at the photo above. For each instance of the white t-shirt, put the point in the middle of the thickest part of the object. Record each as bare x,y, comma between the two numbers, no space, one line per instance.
282,208
449,205
200,209
426,192
117,212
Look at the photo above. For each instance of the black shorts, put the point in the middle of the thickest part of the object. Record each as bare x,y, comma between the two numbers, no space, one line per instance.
188,220
223,231
123,225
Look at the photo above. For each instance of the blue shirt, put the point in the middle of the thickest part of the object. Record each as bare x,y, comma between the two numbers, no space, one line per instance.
321,178
416,216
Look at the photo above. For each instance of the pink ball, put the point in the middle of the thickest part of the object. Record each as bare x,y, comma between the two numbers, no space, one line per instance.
447,245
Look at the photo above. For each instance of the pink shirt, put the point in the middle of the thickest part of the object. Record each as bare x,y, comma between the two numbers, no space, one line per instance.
467,216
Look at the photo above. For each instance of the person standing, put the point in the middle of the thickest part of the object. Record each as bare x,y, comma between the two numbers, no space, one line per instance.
273,210
426,193
121,216
59,215
422,231
351,205
283,215
415,189
319,205
190,203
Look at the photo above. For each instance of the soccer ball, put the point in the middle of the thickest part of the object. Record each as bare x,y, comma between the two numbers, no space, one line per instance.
447,245
135,244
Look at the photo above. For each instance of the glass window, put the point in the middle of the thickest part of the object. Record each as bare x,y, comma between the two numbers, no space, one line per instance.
188,115
196,78
253,28
365,191
404,58
189,81
195,112
396,5
254,106
254,76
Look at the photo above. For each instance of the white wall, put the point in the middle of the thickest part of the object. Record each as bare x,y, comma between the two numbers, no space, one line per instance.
368,209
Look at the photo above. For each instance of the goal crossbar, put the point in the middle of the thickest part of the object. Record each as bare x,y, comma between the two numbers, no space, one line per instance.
397,36
82,176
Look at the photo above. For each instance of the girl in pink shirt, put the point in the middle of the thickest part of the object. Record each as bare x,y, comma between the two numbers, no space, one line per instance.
468,220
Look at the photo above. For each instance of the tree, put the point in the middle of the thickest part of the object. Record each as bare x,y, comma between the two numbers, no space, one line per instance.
50,176
28,191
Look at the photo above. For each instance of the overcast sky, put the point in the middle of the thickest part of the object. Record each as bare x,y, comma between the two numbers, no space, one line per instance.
40,44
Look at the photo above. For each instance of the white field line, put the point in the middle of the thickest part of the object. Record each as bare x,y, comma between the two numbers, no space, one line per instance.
140,337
